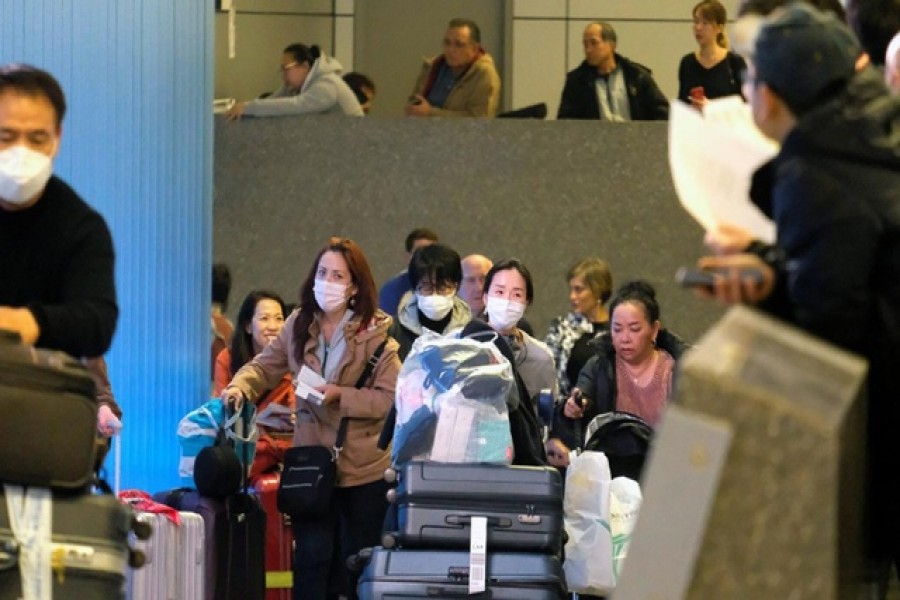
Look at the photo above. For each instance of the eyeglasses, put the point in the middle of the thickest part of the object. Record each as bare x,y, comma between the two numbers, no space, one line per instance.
456,44
426,289
287,67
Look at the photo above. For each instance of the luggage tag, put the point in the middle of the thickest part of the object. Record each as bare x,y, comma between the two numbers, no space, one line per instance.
31,520
477,555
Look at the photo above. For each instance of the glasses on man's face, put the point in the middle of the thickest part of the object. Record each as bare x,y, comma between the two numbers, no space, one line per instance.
287,67
426,289
459,44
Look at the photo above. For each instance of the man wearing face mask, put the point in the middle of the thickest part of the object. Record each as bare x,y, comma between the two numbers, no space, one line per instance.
56,254
508,290
434,274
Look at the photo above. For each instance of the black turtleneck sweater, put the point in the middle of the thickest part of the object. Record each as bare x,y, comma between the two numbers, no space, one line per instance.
57,259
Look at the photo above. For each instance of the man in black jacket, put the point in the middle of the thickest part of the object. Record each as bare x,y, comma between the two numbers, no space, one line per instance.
608,86
833,191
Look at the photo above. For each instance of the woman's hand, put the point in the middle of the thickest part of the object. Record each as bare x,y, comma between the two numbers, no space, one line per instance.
330,392
235,112
232,396
575,405
557,452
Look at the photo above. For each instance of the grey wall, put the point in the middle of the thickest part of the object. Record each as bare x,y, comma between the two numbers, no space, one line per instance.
549,193
262,29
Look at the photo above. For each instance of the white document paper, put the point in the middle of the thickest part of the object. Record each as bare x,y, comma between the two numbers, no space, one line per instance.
307,381
712,157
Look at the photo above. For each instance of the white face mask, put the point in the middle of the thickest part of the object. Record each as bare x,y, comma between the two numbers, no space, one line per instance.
503,313
330,296
23,173
435,306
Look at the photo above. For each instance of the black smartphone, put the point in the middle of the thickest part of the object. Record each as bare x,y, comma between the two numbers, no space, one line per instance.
688,277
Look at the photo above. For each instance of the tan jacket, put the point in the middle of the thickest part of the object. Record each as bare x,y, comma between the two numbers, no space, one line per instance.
361,461
476,94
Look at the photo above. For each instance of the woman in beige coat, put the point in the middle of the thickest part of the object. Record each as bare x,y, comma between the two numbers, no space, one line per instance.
333,333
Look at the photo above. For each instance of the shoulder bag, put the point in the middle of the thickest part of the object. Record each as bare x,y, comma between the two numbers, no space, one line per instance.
310,472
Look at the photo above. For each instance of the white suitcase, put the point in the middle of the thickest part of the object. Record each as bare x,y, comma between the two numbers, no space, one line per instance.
175,559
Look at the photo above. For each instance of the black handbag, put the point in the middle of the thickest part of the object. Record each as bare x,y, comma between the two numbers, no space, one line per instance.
218,470
310,472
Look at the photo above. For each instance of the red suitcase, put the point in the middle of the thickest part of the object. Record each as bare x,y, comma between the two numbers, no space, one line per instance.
279,539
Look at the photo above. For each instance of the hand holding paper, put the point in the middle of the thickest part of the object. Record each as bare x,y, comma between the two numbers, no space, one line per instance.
306,384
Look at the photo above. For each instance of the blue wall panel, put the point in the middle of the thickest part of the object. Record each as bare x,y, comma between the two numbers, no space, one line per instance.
137,145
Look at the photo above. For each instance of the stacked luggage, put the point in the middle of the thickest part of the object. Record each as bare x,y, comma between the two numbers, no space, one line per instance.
461,525
47,463
461,520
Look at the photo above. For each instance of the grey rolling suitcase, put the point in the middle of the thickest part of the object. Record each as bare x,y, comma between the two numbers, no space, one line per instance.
434,504
395,574
175,559
89,550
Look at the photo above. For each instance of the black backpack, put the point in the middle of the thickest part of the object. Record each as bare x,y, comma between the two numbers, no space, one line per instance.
624,438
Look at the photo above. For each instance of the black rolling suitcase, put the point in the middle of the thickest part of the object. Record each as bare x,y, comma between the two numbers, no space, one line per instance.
49,421
434,504
394,574
235,559
89,552
241,569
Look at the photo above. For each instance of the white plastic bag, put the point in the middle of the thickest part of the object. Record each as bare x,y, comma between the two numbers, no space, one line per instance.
451,402
589,550
624,506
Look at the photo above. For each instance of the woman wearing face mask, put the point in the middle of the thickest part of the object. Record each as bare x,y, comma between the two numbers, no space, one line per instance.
508,291
312,84
632,370
435,274
334,332
259,321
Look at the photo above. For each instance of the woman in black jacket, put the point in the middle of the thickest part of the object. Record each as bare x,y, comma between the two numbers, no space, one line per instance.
632,371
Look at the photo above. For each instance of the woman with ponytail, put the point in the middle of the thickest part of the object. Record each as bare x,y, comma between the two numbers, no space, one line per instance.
711,71
311,84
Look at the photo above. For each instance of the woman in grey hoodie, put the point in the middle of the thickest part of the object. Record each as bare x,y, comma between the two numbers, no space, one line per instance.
312,84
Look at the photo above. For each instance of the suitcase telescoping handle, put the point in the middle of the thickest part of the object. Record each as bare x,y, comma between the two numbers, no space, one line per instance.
494,522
